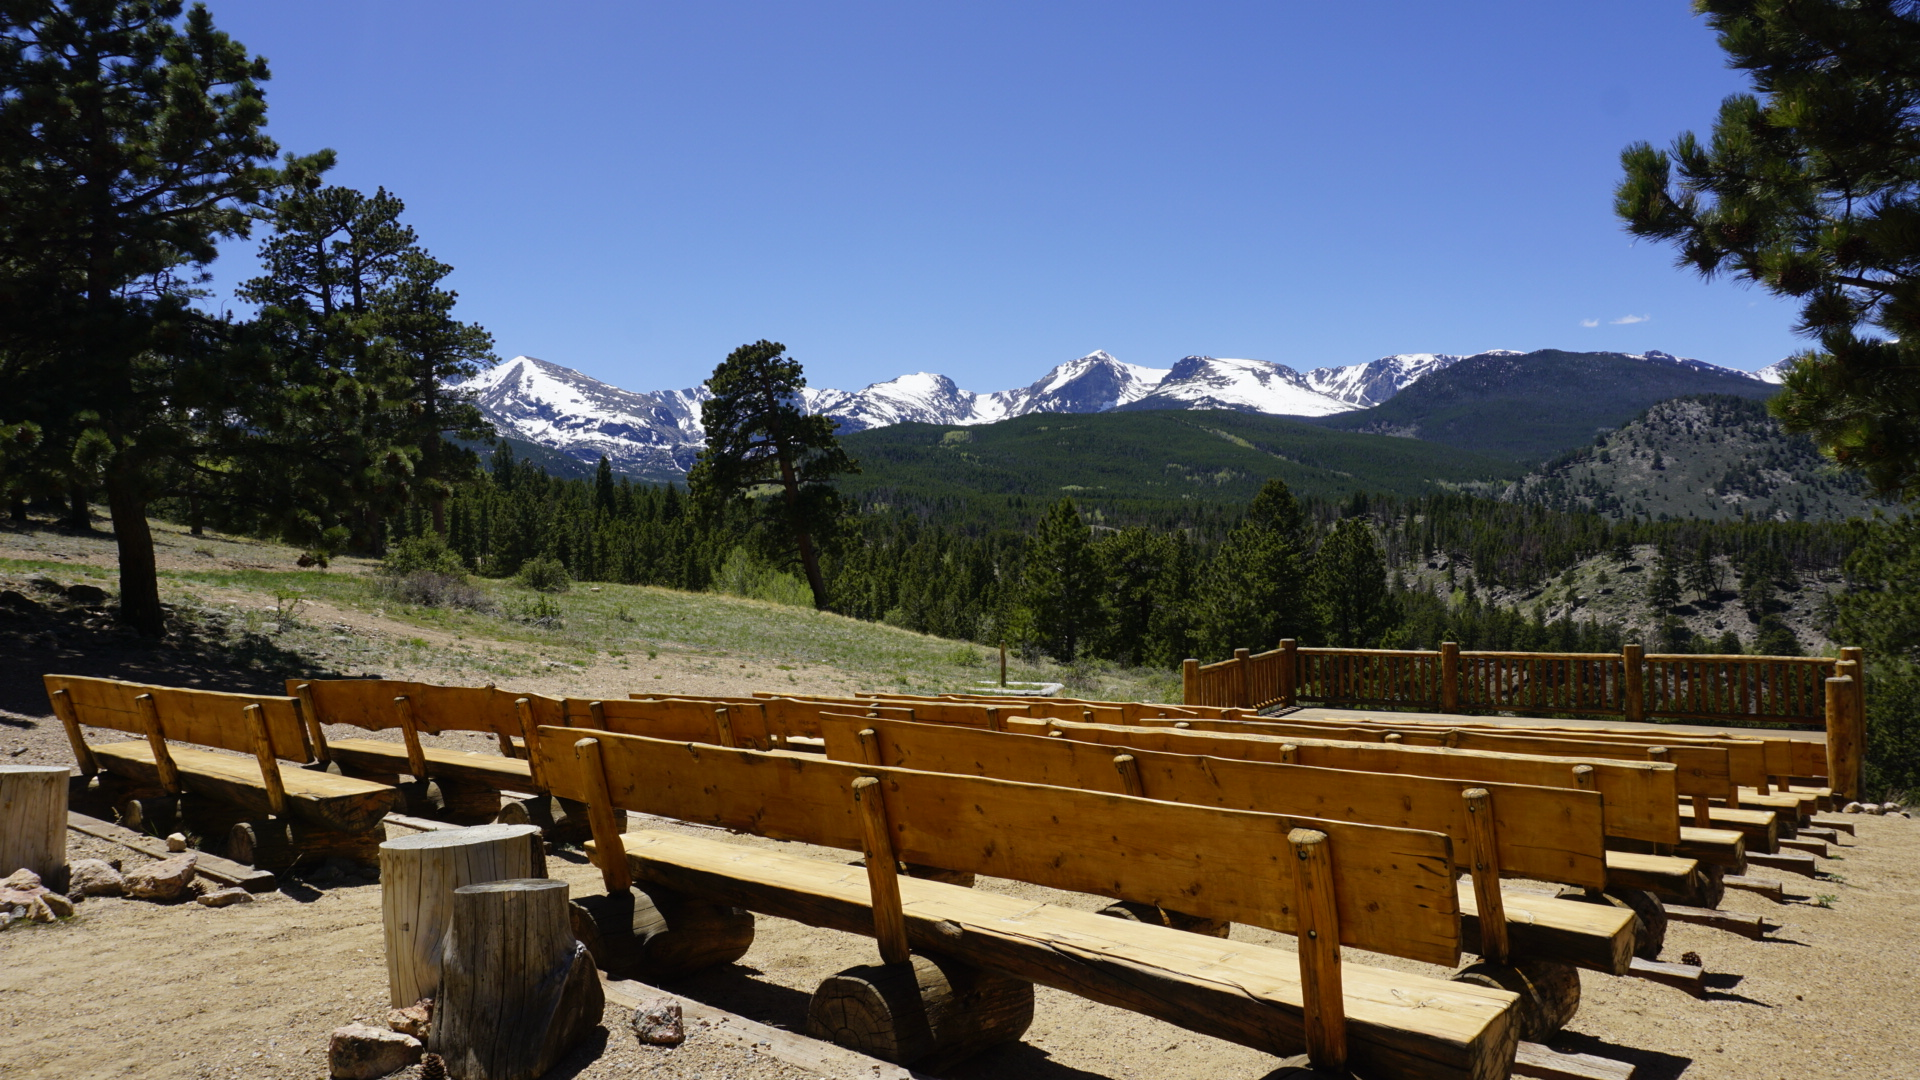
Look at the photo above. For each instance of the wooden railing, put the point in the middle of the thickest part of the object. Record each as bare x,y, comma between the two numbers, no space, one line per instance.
1630,684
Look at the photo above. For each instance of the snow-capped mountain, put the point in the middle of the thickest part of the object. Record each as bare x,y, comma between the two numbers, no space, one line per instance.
659,433
1775,373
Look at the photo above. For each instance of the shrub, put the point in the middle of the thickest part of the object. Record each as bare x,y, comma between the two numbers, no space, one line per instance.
427,588
545,575
426,552
541,611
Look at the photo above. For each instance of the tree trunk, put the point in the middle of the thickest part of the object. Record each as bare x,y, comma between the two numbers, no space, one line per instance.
1549,992
33,822
926,1007
418,875
139,580
518,991
653,933
79,514
279,843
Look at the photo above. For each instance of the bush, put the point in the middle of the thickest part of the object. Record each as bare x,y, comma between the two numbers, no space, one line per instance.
742,575
545,575
430,589
426,552
542,612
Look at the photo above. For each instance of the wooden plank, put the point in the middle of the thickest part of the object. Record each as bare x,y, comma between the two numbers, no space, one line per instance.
656,718
1544,1063
1553,834
1399,1025
1688,977
224,871
1725,848
201,717
368,704
1756,927
1318,946
1230,865
1637,797
1667,875
1773,890
1760,828
463,765
1598,937
1793,862
334,802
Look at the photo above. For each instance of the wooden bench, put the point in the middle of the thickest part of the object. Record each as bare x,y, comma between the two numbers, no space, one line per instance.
1330,883
1547,834
265,728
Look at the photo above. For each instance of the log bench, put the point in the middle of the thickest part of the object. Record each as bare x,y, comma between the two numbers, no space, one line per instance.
337,813
1329,883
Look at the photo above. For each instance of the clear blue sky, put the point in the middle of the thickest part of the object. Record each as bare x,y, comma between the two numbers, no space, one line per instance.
986,189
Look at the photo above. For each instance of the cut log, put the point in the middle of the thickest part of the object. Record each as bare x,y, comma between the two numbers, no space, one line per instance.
1650,929
1549,992
1772,890
1689,977
277,844
1793,862
927,1008
652,933
224,871
418,875
33,822
517,991
1756,927
562,821
154,815
1158,916
1544,1063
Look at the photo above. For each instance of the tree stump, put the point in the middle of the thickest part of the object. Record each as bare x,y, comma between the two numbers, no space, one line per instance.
1159,916
926,1008
516,990
1549,992
279,843
418,876
1650,917
33,822
468,802
652,933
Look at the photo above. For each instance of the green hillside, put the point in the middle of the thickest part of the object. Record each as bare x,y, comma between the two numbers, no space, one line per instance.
1712,456
1529,408
1148,457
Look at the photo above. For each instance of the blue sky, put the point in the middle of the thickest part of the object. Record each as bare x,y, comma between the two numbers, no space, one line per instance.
988,189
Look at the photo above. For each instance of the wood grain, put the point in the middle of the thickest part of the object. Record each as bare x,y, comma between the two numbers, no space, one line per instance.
201,717
334,802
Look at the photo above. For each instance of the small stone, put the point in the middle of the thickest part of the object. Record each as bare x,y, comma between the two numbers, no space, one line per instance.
95,877
1870,808
415,1020
21,879
87,595
1851,808
61,907
39,911
176,842
360,1052
6,918
165,880
657,1022
225,897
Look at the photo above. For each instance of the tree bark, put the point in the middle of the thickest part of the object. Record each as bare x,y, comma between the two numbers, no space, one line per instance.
925,1007
418,876
1549,992
652,933
79,514
139,579
517,991
33,822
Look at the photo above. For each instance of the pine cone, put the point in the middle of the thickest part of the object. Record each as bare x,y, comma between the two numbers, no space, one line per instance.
433,1068
1691,958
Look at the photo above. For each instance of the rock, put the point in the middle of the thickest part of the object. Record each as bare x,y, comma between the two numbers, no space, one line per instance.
360,1052
415,1020
95,877
40,911
22,879
165,880
61,907
1893,807
177,842
20,602
1870,808
87,595
225,897
6,918
20,888
1850,808
657,1023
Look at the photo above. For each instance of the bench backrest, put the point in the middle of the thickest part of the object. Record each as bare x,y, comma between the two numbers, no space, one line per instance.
202,717
679,719
369,704
926,710
1549,834
1393,887
1639,800
788,718
1131,711
1699,770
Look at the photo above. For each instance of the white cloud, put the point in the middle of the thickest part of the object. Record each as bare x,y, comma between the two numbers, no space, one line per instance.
1589,323
1629,320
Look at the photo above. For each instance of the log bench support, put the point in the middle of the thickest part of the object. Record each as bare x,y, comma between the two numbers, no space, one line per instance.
932,1010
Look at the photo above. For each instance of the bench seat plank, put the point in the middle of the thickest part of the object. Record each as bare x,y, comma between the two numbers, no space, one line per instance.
1669,876
374,755
320,798
1593,936
1762,829
1725,848
1398,1025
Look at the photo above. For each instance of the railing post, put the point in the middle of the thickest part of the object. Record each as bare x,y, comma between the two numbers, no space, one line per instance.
1244,666
1633,682
1449,676
1289,672
1858,657
1844,739
1189,681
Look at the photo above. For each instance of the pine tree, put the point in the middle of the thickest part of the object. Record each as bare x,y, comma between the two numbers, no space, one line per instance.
132,140
1253,592
604,497
1062,584
758,433
1811,190
1147,577
1663,592
1349,587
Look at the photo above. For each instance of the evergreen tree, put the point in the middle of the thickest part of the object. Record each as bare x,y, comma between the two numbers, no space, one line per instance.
132,140
1062,584
1147,576
1253,592
1880,612
604,495
1811,190
1702,574
758,433
1663,592
1349,587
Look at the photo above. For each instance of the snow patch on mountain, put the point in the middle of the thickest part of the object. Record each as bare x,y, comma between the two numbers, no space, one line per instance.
1775,373
582,417
1206,382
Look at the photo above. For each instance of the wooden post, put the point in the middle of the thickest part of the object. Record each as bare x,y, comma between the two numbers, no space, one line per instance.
1289,671
598,712
1633,682
1322,999
1843,746
269,765
1483,849
609,850
1289,754
157,739
507,749
723,726
1449,677
1583,777
1243,667
1129,769
310,715
416,757
1003,663
530,734
1190,681
418,875
995,722
1702,814
518,991
1857,656
33,822
63,707
883,873
870,747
